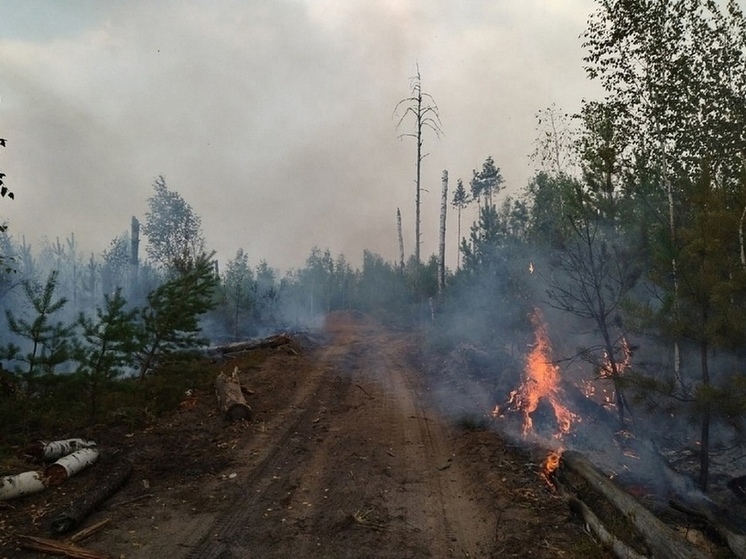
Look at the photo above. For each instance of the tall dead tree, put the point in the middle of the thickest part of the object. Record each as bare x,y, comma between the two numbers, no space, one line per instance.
425,112
442,240
401,241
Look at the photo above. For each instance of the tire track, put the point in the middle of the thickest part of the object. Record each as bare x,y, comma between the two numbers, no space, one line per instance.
223,540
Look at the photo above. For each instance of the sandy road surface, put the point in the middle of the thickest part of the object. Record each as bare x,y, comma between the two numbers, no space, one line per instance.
361,469
344,458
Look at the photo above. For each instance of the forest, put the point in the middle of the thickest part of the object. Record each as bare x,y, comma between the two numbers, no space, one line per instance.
629,240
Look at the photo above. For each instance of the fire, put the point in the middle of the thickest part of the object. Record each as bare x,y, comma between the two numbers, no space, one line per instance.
550,465
606,370
541,381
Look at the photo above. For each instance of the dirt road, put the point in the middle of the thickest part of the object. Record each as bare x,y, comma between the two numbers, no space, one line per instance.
345,457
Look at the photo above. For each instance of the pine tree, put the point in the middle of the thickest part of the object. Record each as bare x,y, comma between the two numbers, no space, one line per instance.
237,288
47,343
170,320
107,348
460,201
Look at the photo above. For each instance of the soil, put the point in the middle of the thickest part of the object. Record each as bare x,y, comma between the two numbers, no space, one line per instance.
345,456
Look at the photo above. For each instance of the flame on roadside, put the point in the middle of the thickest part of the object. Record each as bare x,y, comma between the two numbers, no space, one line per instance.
550,465
541,382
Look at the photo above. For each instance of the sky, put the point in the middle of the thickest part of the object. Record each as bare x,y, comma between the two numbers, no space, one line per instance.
272,118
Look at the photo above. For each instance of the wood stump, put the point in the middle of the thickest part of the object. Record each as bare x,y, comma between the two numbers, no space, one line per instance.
231,400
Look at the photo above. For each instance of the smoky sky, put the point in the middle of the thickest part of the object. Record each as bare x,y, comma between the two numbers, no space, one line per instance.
272,118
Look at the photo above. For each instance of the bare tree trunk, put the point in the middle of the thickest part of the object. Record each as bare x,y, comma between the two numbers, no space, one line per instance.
401,241
442,240
740,238
425,112
674,267
458,239
704,443
417,239
134,254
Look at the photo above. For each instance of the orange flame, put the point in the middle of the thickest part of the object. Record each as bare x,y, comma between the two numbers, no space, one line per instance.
550,465
541,382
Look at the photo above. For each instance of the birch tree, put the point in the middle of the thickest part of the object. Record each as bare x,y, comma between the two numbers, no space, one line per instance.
174,230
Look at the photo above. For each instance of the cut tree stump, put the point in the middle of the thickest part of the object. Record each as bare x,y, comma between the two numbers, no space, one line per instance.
619,512
231,400
111,477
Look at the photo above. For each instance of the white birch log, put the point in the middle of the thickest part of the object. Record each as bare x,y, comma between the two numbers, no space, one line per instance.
67,466
26,483
45,451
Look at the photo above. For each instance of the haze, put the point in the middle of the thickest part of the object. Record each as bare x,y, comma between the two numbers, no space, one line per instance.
272,118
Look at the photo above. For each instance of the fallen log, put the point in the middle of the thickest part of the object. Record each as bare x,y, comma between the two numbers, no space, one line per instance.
627,519
109,480
43,451
26,483
617,546
231,401
270,342
67,466
718,520
53,547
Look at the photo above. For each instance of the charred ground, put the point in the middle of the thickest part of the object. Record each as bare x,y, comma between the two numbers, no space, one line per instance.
345,456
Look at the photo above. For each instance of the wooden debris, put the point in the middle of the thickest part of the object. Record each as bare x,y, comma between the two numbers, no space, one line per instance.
617,546
69,465
80,535
54,547
44,451
109,480
643,531
132,500
365,391
733,535
231,401
250,345
26,483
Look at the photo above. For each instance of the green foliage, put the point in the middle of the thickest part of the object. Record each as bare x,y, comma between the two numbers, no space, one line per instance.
107,347
174,231
236,291
488,182
552,202
382,288
116,263
670,136
47,344
170,320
